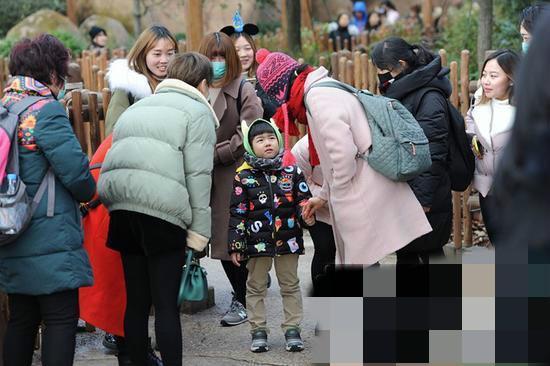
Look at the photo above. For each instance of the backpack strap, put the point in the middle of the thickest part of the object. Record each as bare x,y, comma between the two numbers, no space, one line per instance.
329,84
420,95
17,108
239,98
23,104
47,182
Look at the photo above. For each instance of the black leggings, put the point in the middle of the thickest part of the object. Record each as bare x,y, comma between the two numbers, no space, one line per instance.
153,280
490,216
237,277
325,249
58,311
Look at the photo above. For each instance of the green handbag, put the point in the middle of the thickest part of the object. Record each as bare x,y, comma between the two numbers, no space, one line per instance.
194,285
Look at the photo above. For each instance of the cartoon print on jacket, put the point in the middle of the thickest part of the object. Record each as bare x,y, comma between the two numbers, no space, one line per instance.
269,205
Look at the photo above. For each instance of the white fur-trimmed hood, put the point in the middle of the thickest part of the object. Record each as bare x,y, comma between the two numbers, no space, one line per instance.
121,77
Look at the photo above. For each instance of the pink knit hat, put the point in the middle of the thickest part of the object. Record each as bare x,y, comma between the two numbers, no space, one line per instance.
273,73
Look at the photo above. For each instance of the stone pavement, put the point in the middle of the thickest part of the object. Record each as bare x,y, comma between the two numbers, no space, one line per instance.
206,343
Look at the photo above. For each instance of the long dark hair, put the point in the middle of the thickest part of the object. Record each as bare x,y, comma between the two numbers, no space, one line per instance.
387,53
522,180
508,61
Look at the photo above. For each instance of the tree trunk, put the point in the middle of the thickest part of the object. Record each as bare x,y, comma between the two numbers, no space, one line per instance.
293,26
137,18
71,11
194,24
485,30
306,14
427,19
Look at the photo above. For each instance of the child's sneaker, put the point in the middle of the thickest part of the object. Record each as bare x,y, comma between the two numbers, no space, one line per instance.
294,342
259,341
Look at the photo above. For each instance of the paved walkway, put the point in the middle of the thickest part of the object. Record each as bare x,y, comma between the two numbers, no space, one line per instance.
205,342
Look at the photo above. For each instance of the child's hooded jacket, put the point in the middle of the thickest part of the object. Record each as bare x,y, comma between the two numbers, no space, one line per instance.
266,205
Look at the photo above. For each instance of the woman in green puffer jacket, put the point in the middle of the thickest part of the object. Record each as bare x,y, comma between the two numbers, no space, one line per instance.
156,182
44,267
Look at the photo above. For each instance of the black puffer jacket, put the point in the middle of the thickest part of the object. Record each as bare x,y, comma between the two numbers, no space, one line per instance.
266,210
432,188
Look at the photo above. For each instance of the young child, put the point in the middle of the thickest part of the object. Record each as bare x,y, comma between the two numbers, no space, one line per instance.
264,227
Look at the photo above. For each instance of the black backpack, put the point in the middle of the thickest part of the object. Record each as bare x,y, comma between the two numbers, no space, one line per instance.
460,157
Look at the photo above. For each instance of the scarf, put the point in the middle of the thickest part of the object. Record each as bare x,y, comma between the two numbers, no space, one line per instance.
255,162
295,110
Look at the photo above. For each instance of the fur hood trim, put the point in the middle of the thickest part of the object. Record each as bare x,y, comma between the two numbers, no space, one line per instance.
120,76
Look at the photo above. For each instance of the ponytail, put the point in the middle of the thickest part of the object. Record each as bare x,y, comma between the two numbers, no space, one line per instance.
386,54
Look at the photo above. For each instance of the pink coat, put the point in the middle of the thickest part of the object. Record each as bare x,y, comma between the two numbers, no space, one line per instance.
313,175
372,215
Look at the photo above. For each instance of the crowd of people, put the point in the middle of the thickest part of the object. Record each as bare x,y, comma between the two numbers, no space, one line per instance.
198,158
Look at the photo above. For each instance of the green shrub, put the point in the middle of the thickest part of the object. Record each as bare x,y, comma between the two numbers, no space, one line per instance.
76,45
5,46
15,10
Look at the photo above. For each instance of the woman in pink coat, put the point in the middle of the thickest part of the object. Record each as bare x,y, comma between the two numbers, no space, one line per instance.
372,216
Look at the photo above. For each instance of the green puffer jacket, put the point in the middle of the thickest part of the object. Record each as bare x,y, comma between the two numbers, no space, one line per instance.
48,257
162,156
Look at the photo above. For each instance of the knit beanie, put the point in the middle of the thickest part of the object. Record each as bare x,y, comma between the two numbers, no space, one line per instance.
274,72
95,30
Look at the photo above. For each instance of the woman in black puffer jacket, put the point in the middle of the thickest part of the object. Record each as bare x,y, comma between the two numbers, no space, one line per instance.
415,77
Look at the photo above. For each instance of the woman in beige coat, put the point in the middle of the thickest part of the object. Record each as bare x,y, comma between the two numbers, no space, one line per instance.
233,100
372,216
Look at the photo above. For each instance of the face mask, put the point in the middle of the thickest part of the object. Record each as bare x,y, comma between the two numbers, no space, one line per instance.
62,92
385,81
524,46
219,69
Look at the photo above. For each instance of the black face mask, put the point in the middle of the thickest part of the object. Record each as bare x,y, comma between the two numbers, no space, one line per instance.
385,81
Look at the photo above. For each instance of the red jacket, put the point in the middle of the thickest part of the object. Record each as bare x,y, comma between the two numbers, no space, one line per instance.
104,303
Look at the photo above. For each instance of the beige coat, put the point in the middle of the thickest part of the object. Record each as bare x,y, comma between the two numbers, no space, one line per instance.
372,215
227,156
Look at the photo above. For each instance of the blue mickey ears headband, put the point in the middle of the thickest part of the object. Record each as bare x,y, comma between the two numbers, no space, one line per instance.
239,26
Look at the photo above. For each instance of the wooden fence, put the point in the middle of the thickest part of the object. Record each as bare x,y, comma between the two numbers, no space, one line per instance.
88,107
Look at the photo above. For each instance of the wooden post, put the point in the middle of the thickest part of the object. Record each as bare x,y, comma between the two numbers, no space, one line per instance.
322,43
71,11
78,126
2,77
365,38
95,75
373,87
427,9
95,135
464,106
464,82
357,70
353,43
100,83
457,199
346,44
338,44
334,65
342,69
305,14
194,24
106,93
349,72
323,61
284,24
443,55
331,45
364,71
